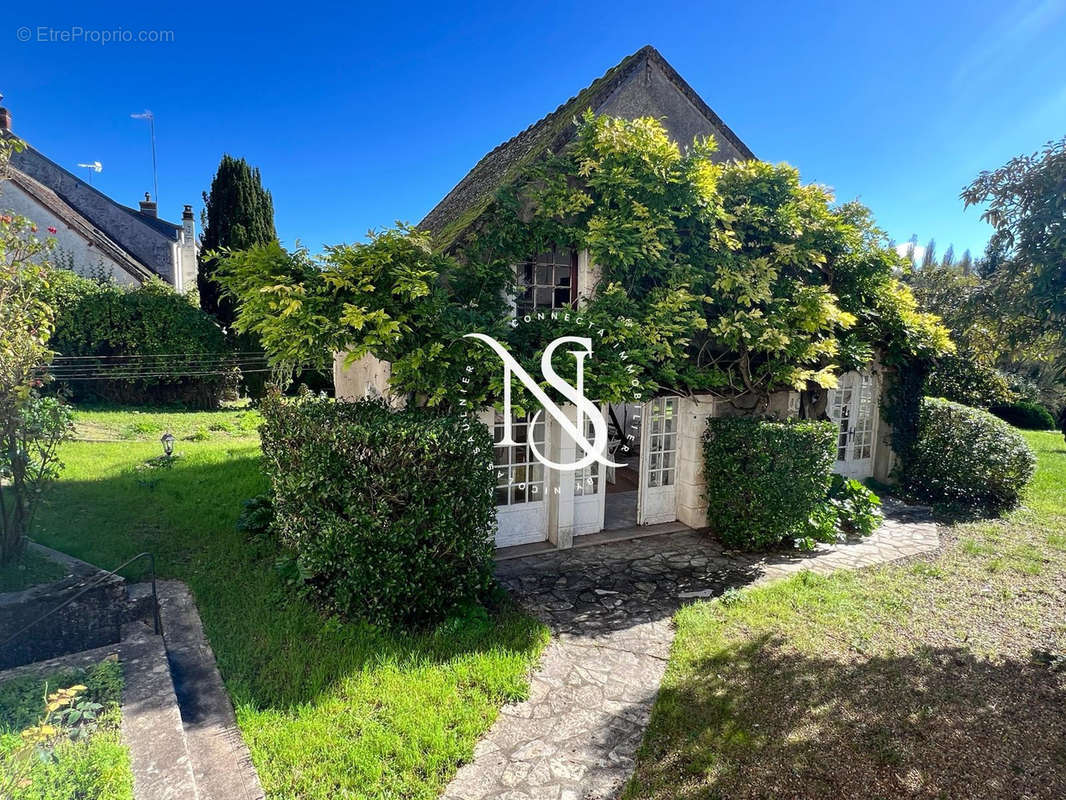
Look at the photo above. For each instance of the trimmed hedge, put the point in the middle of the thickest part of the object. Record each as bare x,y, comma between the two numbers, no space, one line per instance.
963,379
150,329
389,515
966,456
765,480
1025,414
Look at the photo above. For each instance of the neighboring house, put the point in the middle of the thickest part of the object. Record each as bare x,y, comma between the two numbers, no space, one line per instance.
95,236
662,482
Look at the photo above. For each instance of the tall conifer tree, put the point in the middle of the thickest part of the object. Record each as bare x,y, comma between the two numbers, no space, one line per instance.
238,214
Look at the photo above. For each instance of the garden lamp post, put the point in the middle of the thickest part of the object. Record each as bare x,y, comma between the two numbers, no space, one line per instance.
168,443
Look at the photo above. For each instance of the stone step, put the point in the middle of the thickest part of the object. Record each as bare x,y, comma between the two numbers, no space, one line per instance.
221,762
151,719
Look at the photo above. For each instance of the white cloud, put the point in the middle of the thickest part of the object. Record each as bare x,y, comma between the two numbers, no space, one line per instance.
918,251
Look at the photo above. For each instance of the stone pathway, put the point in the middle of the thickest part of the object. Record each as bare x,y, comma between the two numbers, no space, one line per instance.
610,610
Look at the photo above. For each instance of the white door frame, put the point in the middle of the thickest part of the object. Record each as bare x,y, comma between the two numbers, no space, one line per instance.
659,437
853,408
522,522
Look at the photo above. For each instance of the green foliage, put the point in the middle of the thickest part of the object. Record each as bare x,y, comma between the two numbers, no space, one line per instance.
849,510
902,408
328,708
965,456
238,214
257,515
390,514
59,736
858,508
28,569
734,279
148,330
966,379
1025,414
765,480
1025,202
31,428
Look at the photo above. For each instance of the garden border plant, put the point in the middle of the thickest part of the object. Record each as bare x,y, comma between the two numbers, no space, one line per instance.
384,515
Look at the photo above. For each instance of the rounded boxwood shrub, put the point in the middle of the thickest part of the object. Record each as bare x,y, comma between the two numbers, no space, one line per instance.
766,479
1025,414
966,456
965,379
389,515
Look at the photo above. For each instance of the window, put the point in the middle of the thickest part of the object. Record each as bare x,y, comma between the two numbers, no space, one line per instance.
662,441
840,412
587,479
862,437
547,281
519,476
852,408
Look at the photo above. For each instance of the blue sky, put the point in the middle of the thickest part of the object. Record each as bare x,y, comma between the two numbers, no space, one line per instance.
369,114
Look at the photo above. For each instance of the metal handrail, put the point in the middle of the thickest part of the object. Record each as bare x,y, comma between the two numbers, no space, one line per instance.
99,581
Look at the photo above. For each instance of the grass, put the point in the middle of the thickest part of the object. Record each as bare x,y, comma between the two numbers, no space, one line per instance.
328,709
29,569
940,678
97,766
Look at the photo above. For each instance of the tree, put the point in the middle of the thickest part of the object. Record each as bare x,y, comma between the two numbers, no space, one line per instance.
31,427
929,256
734,279
1026,204
238,214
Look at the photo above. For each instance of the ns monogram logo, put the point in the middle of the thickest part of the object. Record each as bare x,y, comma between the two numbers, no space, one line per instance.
594,450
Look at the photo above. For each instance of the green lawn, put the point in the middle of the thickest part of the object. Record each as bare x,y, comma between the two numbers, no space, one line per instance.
329,710
29,569
96,765
940,678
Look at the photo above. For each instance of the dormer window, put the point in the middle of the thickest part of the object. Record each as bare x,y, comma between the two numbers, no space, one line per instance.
547,281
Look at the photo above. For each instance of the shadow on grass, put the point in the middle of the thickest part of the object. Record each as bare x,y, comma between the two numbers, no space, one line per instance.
273,648
760,720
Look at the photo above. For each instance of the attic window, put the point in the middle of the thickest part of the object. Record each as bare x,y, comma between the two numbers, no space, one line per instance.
547,281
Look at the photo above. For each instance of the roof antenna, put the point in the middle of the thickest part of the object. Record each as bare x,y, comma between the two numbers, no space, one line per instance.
146,114
94,166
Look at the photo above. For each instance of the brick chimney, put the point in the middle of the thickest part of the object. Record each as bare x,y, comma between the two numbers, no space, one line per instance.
5,119
148,206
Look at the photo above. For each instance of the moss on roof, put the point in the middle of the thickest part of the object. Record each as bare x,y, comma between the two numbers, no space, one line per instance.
473,195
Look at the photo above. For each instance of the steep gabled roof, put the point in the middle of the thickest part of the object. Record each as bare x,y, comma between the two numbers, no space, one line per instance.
144,240
470,198
76,222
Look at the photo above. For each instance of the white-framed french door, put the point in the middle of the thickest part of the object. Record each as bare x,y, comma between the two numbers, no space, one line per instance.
657,491
589,490
521,488
852,406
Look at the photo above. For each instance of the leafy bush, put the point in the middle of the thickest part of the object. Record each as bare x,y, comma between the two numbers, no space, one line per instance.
765,479
858,509
149,330
966,456
964,379
389,515
59,736
849,509
1025,414
1062,421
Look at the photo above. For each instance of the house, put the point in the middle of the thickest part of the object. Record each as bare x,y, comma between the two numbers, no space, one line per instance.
95,236
658,442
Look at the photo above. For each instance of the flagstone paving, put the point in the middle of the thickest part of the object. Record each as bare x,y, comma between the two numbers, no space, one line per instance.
610,610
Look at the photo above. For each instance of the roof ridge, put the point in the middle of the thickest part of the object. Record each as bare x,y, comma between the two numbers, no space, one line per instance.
472,195
562,106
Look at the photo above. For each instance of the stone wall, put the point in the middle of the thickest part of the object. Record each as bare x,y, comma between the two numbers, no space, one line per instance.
93,620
